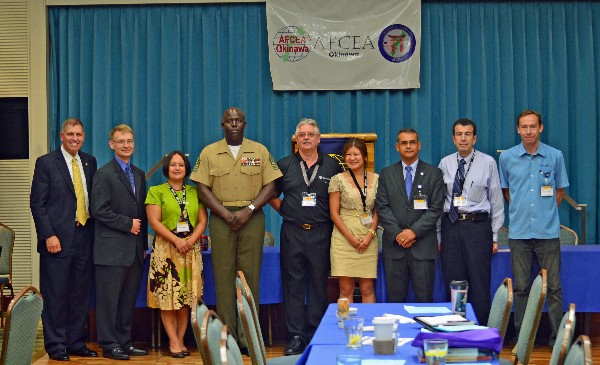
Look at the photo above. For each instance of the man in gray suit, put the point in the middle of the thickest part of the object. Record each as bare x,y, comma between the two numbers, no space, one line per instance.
118,195
409,202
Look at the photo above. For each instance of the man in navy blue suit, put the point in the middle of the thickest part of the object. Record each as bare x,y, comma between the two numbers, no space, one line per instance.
60,200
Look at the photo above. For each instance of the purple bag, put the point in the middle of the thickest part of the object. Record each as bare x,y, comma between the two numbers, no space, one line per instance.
485,339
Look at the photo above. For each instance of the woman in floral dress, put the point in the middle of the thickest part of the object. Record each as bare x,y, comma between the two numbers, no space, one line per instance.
175,276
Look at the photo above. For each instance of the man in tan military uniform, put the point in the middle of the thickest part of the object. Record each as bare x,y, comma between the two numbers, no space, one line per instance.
235,178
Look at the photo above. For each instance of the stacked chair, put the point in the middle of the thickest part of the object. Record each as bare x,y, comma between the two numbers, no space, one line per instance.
531,320
563,337
20,331
198,311
248,313
580,352
501,306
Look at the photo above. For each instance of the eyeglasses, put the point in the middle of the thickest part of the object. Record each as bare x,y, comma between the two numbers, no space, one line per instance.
123,142
305,134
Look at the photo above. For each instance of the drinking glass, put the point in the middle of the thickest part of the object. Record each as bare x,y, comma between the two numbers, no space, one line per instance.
353,326
435,351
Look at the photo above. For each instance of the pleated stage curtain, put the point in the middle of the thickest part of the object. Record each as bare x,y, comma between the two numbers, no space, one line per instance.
170,71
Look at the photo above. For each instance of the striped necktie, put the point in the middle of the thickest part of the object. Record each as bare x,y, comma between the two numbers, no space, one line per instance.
129,174
457,189
81,215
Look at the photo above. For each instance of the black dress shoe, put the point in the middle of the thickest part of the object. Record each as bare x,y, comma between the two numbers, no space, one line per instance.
134,351
60,355
116,353
84,352
177,355
244,351
295,347
186,352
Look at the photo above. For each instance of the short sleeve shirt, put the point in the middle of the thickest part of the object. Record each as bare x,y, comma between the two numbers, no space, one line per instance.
162,196
292,186
235,179
532,215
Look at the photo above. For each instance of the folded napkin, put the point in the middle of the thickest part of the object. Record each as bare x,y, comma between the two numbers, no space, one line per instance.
485,339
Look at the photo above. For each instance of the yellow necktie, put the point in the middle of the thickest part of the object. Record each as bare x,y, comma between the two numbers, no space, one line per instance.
81,214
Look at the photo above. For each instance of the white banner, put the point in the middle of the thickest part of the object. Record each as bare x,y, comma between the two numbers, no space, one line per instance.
344,44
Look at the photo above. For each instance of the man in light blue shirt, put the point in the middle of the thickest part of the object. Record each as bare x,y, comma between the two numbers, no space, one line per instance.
474,212
533,179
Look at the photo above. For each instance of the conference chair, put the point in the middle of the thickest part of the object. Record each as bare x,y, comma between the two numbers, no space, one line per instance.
210,337
501,306
568,236
269,240
22,321
531,320
503,236
7,242
580,352
242,284
564,337
228,349
256,347
199,309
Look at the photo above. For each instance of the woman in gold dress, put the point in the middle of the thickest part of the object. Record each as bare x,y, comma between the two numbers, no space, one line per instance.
354,247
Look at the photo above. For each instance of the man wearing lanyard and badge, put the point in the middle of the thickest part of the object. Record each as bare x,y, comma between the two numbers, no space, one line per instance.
409,202
235,178
305,234
533,178
468,232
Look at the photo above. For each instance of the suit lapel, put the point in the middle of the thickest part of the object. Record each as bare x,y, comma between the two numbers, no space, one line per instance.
86,171
399,177
61,164
420,175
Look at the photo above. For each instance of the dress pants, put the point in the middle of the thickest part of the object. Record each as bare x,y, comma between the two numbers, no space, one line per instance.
304,271
233,251
116,291
467,255
66,285
398,272
547,252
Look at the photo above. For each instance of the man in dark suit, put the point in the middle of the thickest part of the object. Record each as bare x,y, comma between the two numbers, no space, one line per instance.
118,196
59,204
409,202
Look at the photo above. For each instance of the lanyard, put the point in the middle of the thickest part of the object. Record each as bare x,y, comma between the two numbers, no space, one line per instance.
179,201
312,178
462,181
363,192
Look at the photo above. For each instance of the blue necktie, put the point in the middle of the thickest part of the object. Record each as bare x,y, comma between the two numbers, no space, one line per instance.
457,190
129,174
408,181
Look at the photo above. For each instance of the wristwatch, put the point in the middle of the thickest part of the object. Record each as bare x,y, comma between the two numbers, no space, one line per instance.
251,207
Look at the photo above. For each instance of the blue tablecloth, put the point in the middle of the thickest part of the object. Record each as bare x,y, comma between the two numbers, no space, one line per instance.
329,340
579,263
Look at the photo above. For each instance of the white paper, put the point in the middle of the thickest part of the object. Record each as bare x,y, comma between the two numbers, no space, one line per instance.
400,318
425,310
383,361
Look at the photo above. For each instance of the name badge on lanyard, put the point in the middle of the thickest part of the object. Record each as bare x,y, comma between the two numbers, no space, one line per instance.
366,219
183,225
308,199
547,189
460,201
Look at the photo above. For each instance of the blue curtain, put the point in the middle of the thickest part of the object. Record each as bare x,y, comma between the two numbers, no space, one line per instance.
170,71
